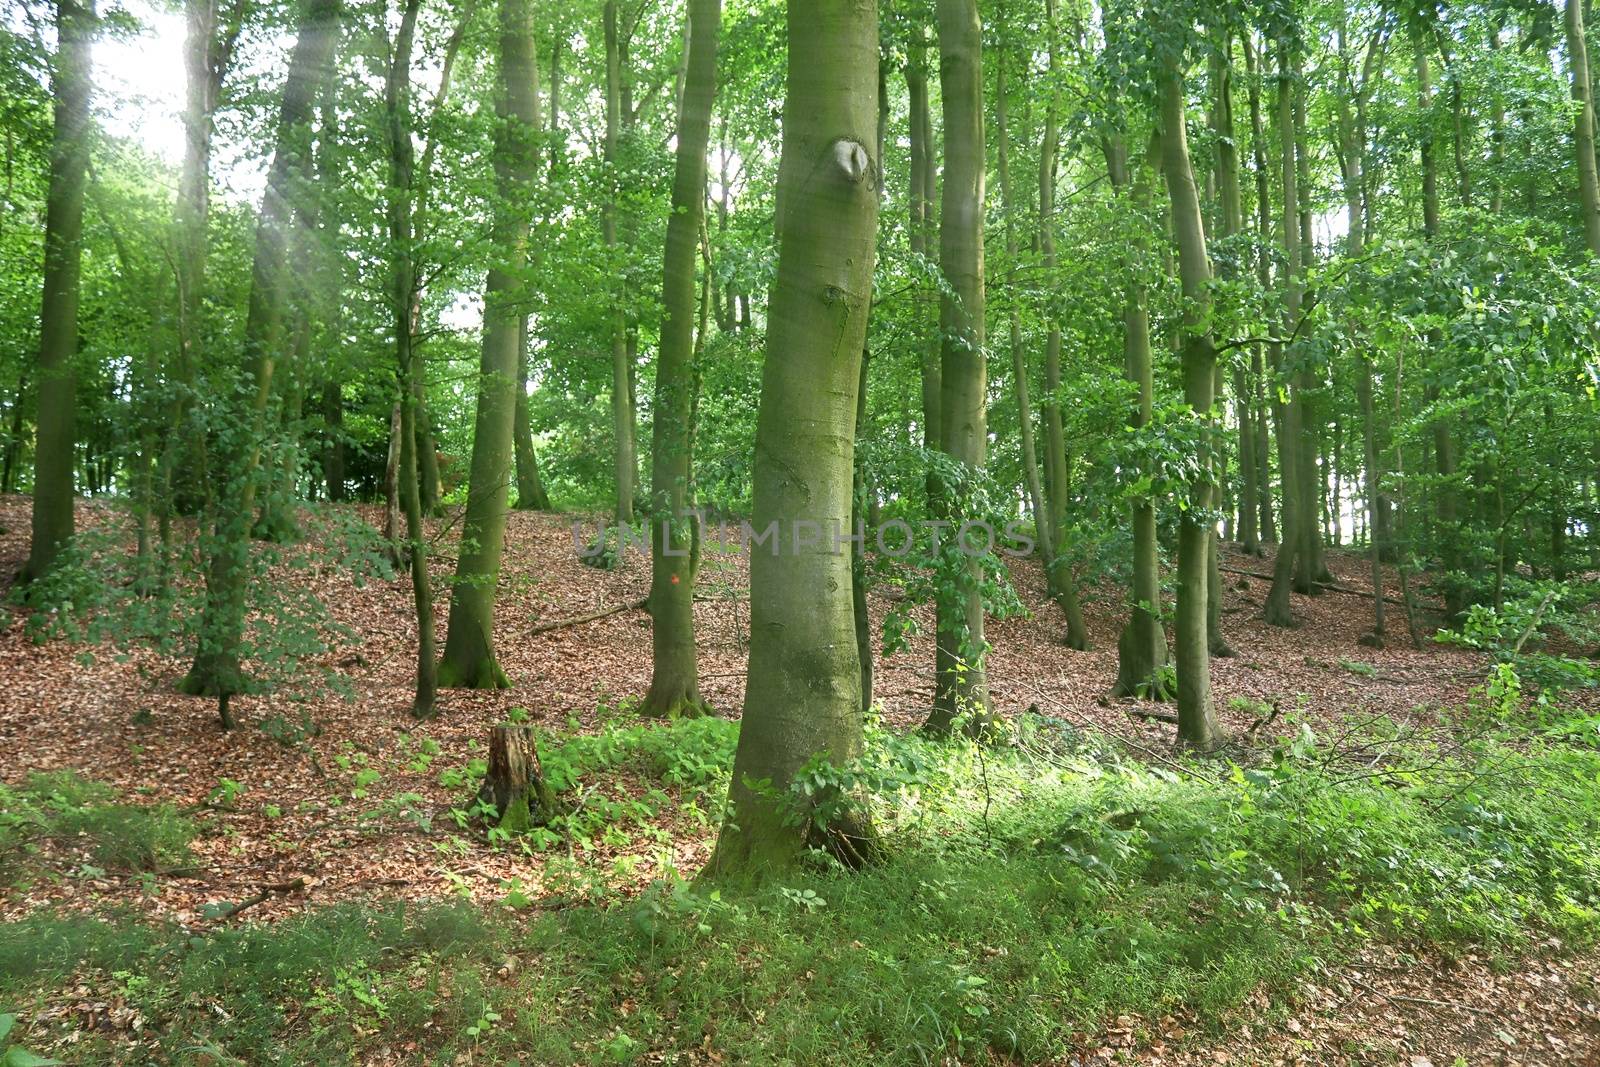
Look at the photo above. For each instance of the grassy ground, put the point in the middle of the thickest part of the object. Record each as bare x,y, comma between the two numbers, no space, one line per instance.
1033,896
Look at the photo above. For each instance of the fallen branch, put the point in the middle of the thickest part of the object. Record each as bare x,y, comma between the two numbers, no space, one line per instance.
267,892
1151,713
1398,999
1331,587
594,616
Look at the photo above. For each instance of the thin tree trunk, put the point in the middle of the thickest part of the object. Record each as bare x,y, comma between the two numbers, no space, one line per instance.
469,658
1142,654
961,687
56,432
402,174
1197,726
1057,576
674,678
1294,500
216,669
623,417
1584,125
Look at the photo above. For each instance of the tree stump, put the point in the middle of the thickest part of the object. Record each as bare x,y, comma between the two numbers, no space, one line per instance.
515,785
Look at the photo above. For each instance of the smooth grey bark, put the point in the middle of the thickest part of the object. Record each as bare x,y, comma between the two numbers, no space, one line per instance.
402,295
802,696
623,416
1294,501
1584,124
55,444
1197,726
961,687
469,656
1142,653
674,678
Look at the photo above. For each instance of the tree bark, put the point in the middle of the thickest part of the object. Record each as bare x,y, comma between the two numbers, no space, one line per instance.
216,669
403,289
1197,725
803,697
623,417
1294,499
1142,654
961,685
56,433
469,657
674,679
1057,581
1584,125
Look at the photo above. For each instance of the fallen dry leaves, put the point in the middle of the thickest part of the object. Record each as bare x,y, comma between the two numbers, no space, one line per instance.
120,721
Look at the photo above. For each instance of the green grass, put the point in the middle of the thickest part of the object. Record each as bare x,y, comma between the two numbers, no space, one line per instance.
1031,895
66,808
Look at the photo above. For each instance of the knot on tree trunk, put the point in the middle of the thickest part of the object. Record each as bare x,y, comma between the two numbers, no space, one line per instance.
852,160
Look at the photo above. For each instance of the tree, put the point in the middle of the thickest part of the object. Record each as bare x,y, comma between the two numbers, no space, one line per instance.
402,294
55,450
216,669
961,685
1583,125
1196,717
674,686
802,694
469,658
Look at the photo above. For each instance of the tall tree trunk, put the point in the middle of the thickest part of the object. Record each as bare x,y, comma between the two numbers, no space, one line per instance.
1062,582
921,223
624,422
1258,365
1230,212
674,678
1443,443
469,658
1295,498
802,697
216,669
1058,578
1197,724
55,443
1584,125
1142,655
961,686
402,294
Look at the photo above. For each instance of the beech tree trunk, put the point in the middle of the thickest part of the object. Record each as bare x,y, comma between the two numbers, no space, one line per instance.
1197,725
1584,125
1294,508
469,658
216,669
1142,654
961,686
624,423
803,697
403,289
55,443
674,679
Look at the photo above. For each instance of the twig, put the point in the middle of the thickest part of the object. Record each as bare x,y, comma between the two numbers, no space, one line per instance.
265,893
1398,999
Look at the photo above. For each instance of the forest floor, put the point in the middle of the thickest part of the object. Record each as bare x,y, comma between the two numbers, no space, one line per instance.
357,811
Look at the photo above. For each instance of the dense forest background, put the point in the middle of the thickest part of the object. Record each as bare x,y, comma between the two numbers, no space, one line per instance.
357,439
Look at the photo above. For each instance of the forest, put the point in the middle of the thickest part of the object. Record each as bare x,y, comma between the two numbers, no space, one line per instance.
831,532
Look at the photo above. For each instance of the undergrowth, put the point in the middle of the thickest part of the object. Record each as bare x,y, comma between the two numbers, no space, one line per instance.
1031,893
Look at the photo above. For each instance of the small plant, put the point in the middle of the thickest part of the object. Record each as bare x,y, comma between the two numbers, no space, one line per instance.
16,1055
